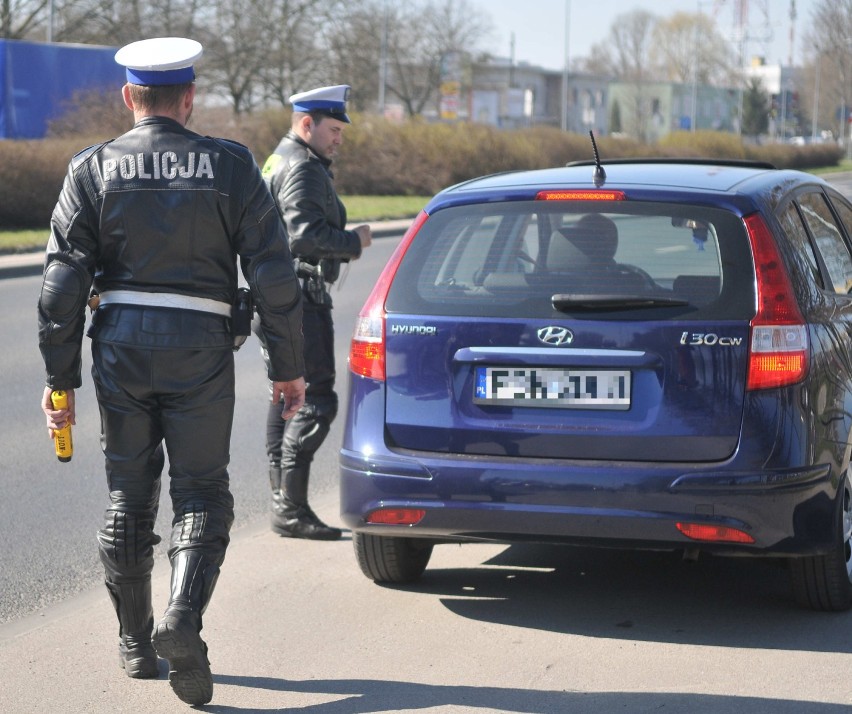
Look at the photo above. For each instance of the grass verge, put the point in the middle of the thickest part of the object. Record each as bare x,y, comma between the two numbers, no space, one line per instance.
363,209
359,209
844,165
23,241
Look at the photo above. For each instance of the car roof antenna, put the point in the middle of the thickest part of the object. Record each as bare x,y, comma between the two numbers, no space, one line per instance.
600,175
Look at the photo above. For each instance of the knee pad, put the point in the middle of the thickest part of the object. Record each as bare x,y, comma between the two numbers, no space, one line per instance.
126,544
63,292
204,524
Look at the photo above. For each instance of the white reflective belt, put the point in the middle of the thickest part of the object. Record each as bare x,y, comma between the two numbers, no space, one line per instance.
181,302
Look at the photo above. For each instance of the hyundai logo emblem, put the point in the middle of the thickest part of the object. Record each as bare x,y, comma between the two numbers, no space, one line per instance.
555,336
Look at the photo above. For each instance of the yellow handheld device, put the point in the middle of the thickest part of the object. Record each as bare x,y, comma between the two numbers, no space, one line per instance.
62,437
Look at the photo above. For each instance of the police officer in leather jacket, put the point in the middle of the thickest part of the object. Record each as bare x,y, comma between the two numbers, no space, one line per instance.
300,179
154,221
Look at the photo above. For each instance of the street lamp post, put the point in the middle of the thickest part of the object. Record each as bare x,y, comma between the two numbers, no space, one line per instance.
50,21
383,62
565,68
693,119
816,96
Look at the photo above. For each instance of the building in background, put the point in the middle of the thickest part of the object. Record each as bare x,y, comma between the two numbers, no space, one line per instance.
509,95
37,80
650,110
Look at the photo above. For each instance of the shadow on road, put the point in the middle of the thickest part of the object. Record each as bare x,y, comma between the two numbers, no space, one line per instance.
360,696
628,595
643,596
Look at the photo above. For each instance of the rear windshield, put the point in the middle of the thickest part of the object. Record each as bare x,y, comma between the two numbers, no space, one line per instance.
540,258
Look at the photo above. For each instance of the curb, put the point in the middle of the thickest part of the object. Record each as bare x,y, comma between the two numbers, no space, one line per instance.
16,265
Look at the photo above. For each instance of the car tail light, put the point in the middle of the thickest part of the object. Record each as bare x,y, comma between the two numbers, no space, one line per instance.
397,516
778,354
714,533
367,349
580,194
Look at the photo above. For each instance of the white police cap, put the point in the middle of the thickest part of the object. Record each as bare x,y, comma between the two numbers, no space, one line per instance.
160,60
329,101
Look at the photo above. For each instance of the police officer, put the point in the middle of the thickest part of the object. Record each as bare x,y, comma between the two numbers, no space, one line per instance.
300,179
154,220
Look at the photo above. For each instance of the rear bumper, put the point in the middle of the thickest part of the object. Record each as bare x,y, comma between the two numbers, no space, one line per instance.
787,512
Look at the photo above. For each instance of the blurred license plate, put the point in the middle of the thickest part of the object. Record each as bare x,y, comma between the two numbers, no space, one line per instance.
552,387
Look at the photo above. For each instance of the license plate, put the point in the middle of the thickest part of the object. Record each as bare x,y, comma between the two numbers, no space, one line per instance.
552,387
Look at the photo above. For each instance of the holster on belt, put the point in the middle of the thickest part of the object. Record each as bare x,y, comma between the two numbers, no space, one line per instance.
242,312
313,277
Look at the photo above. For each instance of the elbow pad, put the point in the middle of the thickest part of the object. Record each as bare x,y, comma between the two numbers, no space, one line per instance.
63,292
276,285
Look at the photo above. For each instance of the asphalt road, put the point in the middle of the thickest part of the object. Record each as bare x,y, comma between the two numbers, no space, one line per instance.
50,511
842,181
295,627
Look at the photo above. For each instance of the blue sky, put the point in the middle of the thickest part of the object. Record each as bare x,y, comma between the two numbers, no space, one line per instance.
539,25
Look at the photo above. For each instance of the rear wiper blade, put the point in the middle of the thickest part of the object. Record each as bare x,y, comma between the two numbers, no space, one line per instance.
573,301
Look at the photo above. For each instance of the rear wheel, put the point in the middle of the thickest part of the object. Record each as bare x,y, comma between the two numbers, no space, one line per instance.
824,582
386,559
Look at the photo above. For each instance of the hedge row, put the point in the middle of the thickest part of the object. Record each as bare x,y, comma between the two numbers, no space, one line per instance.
378,157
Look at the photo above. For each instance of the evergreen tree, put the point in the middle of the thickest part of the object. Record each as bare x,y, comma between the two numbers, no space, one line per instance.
615,118
756,106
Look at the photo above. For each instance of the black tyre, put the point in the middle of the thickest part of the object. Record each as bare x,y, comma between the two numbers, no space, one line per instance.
824,582
391,560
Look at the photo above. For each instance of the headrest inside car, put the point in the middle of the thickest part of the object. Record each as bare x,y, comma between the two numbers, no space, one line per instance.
595,235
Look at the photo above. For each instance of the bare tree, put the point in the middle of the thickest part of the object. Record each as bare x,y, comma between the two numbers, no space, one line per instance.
235,50
354,36
254,51
419,38
687,47
258,52
599,61
20,19
626,55
117,22
294,56
830,62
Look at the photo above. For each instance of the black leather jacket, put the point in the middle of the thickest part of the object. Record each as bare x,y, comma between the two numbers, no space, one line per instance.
315,218
162,209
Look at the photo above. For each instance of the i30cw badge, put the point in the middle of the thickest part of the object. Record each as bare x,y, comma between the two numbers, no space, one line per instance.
555,336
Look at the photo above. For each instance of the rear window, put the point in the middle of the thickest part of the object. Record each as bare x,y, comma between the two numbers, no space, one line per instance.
524,258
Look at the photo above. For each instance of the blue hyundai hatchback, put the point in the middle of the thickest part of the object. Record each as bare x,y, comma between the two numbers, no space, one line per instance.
646,354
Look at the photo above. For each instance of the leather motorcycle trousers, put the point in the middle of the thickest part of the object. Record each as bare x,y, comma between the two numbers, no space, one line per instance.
291,445
180,398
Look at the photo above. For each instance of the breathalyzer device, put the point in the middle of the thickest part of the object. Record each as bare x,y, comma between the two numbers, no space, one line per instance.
62,437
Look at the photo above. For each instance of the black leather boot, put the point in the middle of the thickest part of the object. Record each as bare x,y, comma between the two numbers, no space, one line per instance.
132,603
177,637
292,517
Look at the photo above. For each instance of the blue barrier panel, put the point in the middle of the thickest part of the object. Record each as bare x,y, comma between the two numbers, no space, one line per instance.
4,91
39,78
